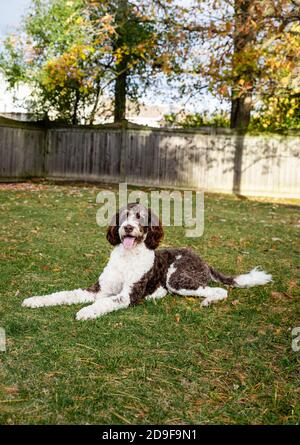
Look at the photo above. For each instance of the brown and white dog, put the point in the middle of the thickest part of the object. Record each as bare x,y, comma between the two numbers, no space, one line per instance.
137,271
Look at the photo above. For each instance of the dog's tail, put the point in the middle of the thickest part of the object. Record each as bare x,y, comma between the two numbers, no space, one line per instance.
254,278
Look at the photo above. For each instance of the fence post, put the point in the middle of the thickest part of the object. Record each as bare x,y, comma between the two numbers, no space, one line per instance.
45,152
123,155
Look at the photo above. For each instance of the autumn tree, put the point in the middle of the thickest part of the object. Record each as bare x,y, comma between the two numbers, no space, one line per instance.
133,48
78,55
51,54
244,50
141,45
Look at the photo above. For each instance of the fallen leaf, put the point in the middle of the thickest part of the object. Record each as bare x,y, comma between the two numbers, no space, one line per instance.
11,389
292,284
191,299
239,259
278,295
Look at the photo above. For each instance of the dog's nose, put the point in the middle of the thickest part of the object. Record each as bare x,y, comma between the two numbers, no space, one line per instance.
128,228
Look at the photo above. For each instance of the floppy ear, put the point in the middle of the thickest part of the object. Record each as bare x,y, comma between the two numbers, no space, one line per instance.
112,234
155,232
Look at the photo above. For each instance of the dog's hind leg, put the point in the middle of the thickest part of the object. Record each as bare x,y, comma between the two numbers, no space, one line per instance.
58,298
214,294
160,292
210,294
193,283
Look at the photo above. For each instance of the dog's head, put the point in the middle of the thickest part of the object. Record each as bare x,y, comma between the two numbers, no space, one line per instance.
134,225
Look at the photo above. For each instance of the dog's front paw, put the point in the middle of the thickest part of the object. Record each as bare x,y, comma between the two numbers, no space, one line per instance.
206,302
220,293
33,302
86,313
217,294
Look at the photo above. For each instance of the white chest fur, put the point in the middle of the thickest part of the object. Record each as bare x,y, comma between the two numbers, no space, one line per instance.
126,267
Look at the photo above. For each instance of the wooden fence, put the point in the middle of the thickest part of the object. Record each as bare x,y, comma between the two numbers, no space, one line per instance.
222,161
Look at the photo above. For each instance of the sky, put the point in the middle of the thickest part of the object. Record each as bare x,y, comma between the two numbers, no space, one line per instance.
11,12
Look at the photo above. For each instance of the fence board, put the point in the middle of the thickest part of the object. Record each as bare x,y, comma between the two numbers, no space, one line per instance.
21,152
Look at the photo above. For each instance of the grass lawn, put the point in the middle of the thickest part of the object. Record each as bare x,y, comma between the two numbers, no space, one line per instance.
167,362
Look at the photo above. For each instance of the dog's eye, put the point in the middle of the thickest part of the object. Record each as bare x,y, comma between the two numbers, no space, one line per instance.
138,215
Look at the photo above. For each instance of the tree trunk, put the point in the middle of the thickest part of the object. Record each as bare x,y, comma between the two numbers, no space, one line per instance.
75,111
122,65
241,102
120,92
96,103
240,111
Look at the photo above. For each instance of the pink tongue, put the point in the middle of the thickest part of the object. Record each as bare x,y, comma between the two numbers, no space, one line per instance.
128,242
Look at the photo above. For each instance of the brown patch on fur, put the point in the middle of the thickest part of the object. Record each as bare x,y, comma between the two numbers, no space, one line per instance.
112,235
191,273
156,276
150,281
95,288
155,232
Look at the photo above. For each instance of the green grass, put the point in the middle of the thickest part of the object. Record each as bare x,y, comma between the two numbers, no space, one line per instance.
167,362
